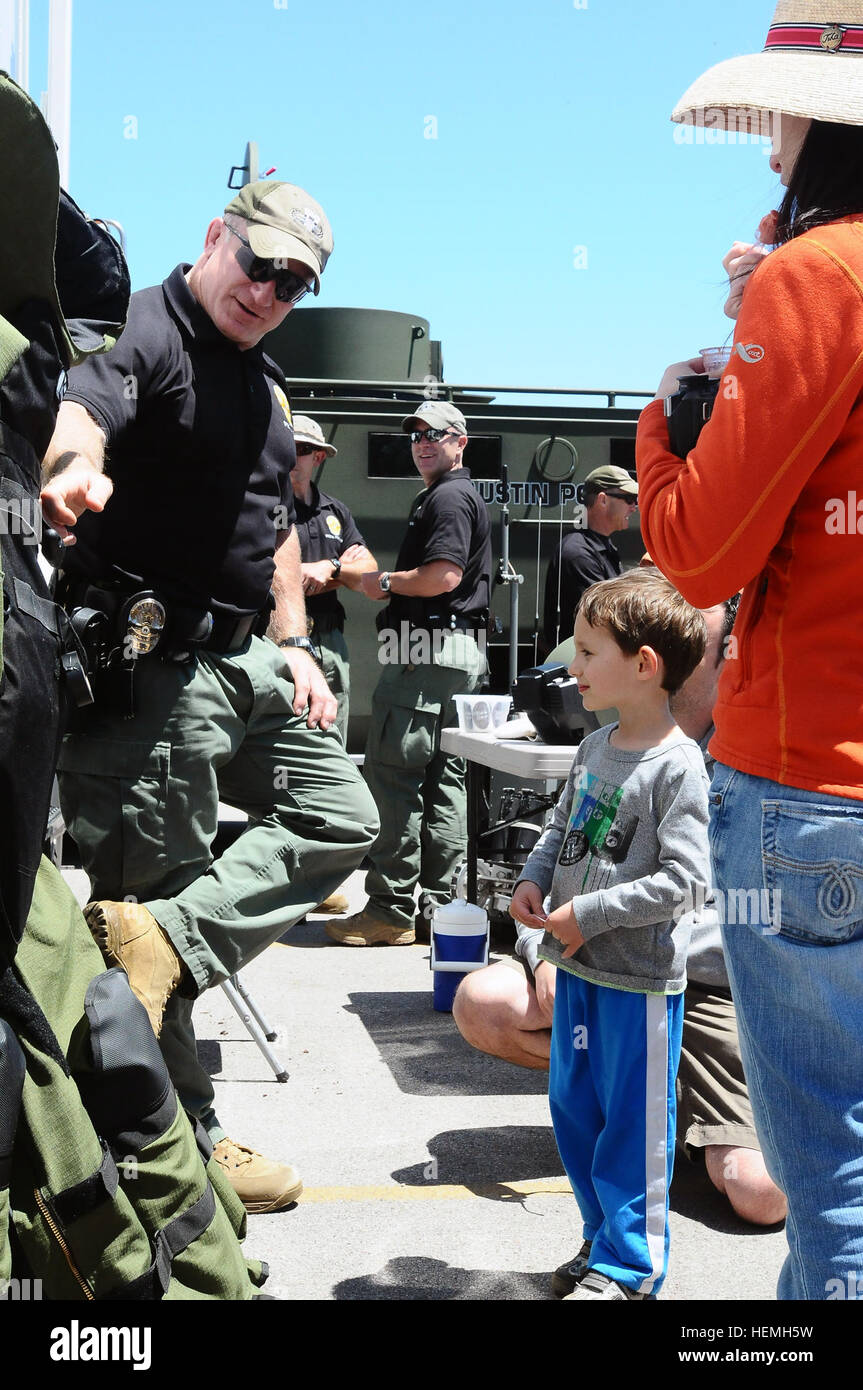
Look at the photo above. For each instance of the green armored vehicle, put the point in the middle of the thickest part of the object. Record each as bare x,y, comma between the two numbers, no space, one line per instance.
358,372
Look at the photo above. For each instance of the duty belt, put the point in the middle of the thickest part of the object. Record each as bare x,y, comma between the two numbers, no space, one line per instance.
186,630
229,634
452,622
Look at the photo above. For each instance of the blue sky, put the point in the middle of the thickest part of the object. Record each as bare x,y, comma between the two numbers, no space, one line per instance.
554,232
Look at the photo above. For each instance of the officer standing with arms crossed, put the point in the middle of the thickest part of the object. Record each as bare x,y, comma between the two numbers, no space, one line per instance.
437,598
333,553
200,440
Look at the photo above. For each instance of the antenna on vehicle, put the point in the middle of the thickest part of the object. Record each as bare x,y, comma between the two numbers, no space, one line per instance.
249,170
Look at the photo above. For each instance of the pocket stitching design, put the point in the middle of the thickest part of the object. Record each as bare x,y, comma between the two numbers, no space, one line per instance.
841,873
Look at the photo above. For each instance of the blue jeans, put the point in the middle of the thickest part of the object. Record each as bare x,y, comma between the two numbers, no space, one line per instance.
796,973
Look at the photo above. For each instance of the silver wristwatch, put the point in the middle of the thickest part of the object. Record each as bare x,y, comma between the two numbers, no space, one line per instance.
384,581
304,643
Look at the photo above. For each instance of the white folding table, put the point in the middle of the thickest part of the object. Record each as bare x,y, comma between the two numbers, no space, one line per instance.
530,759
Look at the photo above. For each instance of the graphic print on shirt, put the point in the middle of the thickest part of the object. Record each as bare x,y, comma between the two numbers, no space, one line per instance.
594,832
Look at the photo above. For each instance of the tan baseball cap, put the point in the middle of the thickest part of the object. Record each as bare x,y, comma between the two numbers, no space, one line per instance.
308,431
285,223
440,415
611,476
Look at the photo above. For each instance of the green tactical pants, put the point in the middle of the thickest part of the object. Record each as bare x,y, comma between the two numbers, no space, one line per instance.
141,798
419,791
334,659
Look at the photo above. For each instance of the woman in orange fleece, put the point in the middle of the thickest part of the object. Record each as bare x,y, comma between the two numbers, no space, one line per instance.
767,501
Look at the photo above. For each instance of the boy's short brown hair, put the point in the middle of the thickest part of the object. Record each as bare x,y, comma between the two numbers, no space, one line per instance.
642,609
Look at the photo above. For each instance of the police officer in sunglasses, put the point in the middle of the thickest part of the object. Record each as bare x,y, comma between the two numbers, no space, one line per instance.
170,468
587,554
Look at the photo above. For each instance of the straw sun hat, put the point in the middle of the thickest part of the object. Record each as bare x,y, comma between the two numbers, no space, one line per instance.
811,65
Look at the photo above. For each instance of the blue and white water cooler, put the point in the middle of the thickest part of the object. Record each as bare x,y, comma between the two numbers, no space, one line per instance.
459,944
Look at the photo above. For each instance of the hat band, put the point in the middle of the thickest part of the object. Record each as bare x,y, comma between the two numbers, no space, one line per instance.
826,38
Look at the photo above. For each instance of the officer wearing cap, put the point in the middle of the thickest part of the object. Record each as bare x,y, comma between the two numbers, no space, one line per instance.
431,647
197,539
333,554
587,554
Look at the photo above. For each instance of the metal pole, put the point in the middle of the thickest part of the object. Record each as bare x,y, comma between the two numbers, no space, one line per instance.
254,1028
504,571
22,45
269,1033
513,626
7,37
536,615
476,777
507,575
559,576
58,103
15,40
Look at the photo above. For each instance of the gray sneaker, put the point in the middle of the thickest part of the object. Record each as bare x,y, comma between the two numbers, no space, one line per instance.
602,1286
566,1276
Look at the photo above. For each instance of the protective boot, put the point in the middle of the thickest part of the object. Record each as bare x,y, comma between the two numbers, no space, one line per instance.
128,935
366,929
261,1184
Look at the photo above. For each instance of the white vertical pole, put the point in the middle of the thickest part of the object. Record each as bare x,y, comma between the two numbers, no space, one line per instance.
59,96
22,41
15,40
7,35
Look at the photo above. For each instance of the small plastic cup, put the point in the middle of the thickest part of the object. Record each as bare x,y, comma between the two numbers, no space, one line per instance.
480,714
716,359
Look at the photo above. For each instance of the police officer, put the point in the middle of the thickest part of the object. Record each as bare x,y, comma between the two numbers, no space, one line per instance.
432,646
587,555
188,550
333,554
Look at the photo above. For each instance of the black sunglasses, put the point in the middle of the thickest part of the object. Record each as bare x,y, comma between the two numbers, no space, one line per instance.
290,287
435,436
303,449
622,497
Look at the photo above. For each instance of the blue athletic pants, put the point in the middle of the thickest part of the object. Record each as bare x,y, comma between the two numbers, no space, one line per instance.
614,1057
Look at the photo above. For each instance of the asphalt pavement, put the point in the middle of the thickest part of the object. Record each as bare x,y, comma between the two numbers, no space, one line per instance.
430,1170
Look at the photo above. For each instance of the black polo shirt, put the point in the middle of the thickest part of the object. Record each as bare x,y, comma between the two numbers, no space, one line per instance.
325,529
200,447
584,558
448,521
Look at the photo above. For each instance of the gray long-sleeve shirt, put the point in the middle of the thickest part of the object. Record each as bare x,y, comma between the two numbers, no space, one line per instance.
705,963
627,844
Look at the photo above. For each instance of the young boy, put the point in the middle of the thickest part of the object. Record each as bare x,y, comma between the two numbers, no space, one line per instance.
624,856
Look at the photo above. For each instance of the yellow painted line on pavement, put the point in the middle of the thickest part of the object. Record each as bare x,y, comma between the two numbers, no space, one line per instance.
439,1192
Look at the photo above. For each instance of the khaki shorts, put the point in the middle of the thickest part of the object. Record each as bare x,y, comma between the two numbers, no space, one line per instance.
712,1099
515,963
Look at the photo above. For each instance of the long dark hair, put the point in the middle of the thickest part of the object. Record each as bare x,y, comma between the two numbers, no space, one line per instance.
827,181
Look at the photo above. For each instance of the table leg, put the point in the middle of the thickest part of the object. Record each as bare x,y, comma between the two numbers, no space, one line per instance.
476,776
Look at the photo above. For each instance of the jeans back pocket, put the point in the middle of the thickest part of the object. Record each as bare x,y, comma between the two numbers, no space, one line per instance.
813,868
